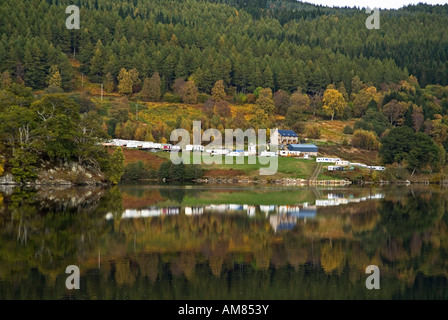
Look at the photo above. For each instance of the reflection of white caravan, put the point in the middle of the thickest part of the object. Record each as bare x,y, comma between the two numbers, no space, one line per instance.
267,208
250,210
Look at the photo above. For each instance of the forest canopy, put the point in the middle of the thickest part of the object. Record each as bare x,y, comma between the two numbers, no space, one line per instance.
246,44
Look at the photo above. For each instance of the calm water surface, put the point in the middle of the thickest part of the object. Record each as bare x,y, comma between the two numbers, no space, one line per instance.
202,242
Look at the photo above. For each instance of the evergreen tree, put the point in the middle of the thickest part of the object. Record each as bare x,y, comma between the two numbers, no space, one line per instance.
189,93
116,169
145,90
54,77
109,83
268,78
265,101
125,82
5,80
218,92
154,88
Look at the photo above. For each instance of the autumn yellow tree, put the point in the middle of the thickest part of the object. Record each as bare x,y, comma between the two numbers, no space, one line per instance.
265,101
128,81
54,78
124,82
365,140
334,103
140,132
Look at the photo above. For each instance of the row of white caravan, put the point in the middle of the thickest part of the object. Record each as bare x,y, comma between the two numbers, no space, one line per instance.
143,145
339,164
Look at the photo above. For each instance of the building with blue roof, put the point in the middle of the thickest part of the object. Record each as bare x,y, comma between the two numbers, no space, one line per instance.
309,149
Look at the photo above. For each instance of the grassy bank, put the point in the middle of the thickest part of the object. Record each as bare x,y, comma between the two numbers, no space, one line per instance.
287,167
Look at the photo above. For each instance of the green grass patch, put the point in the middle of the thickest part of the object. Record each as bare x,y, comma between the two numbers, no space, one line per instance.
287,167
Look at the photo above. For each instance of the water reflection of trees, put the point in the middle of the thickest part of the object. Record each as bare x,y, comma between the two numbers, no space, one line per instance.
191,256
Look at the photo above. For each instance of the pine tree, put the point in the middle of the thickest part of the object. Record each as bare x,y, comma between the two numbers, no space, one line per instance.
268,78
5,80
109,83
181,70
135,79
283,80
256,80
116,170
97,64
218,92
54,77
154,89
265,101
125,82
189,93
145,90
34,67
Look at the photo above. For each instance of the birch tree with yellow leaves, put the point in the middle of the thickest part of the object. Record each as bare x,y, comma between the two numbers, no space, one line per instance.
334,103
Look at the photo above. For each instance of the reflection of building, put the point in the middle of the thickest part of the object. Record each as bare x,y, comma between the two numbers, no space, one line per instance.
194,211
267,208
250,210
281,222
151,212
298,211
224,208
338,199
309,212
